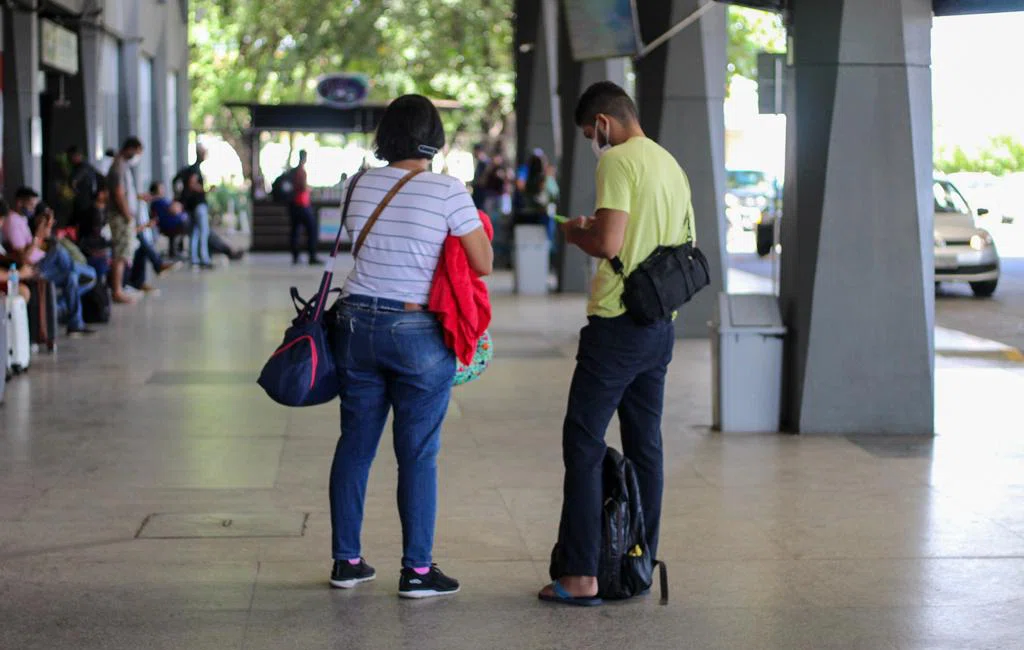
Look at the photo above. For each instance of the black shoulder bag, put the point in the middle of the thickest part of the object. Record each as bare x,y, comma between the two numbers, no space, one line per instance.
663,282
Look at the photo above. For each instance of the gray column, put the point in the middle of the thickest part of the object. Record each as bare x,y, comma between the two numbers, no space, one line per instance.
22,152
131,52
857,270
163,166
90,48
540,129
184,106
681,97
579,167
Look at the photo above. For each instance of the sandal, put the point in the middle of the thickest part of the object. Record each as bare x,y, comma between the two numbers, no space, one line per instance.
563,597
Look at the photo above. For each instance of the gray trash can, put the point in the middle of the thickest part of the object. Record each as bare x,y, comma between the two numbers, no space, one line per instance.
532,260
746,344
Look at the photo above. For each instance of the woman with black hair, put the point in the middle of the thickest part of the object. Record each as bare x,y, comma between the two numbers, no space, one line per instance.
390,351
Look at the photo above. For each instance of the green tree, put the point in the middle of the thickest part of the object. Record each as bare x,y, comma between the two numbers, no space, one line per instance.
751,32
273,51
1003,154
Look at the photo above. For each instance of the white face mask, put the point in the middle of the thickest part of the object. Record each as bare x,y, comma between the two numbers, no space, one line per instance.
135,160
595,144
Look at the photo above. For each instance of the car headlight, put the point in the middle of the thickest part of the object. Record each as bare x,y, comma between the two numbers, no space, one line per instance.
981,241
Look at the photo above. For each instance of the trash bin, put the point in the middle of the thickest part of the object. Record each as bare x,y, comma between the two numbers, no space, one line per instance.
746,347
532,259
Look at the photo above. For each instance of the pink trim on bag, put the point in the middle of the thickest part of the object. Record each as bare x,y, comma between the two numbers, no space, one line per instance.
312,348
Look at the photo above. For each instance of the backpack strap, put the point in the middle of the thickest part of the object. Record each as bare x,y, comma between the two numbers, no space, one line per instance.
663,579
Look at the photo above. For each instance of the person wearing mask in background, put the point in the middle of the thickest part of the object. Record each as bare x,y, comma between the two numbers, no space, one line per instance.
125,203
301,213
193,198
643,202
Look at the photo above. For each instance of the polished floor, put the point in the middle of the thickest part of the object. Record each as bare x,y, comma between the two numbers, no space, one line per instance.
152,497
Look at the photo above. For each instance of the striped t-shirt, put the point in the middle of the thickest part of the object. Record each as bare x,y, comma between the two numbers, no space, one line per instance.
400,255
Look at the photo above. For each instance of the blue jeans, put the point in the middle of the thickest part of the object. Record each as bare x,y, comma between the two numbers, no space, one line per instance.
620,367
389,360
145,252
73,281
201,234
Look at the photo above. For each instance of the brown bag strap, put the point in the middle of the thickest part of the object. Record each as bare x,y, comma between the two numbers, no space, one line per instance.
364,233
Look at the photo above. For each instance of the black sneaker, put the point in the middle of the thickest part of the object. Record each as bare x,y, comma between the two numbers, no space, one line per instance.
435,583
346,575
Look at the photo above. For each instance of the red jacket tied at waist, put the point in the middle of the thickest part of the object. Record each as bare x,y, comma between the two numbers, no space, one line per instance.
459,297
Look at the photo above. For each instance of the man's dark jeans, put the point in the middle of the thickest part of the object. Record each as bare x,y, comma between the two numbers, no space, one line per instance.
302,217
620,367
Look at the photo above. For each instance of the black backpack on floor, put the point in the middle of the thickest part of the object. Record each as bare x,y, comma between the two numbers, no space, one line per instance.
96,303
626,568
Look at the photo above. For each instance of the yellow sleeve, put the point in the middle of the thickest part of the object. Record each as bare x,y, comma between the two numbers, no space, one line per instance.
615,185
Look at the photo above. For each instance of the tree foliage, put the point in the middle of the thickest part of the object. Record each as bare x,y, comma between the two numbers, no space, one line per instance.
750,32
273,51
1002,155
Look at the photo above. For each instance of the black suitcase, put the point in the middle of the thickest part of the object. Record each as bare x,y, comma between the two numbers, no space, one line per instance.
42,314
96,303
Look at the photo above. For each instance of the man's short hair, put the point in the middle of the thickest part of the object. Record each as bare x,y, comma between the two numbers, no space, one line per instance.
154,187
73,150
608,98
4,207
25,192
131,142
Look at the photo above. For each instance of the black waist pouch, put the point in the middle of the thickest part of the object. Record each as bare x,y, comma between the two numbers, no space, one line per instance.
664,282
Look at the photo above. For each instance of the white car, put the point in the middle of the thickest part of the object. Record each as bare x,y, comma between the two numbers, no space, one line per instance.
963,252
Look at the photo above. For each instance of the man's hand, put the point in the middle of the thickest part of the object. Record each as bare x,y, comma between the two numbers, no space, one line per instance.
27,272
573,228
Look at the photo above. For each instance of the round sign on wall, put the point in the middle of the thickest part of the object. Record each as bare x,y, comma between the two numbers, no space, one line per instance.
342,89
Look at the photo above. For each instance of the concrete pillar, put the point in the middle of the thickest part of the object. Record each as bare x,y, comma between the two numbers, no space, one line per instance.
681,98
857,265
164,168
90,48
539,122
22,125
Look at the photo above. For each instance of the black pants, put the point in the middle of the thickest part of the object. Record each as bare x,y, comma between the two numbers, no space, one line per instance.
303,217
146,252
620,367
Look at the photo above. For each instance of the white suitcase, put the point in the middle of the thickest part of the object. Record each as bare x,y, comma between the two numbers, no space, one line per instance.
19,344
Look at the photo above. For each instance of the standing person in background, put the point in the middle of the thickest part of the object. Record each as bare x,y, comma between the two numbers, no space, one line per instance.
125,204
193,197
301,213
83,181
479,171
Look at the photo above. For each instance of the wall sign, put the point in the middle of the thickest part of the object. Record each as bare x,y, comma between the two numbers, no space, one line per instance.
59,47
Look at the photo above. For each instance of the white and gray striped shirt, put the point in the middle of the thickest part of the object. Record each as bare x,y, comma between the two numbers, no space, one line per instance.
400,255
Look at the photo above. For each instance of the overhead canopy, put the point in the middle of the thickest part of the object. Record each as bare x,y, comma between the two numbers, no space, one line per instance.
320,118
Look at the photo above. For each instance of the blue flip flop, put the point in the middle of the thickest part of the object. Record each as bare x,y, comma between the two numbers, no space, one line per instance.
563,597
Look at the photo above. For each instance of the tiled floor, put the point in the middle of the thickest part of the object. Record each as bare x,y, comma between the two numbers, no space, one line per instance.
152,497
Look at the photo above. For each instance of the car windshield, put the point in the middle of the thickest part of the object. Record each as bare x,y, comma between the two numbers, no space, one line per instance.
738,179
948,199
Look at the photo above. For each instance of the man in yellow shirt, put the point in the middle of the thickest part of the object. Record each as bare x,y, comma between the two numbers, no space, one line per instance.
643,202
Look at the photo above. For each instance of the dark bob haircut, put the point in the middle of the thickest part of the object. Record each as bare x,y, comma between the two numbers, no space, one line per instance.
410,128
607,98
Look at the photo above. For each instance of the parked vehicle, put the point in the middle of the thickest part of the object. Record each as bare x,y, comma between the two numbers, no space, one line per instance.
963,252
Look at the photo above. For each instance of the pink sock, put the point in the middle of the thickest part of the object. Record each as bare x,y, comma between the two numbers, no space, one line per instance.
421,570
355,561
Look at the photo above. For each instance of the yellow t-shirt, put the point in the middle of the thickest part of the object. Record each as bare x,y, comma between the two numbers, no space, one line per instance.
643,179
